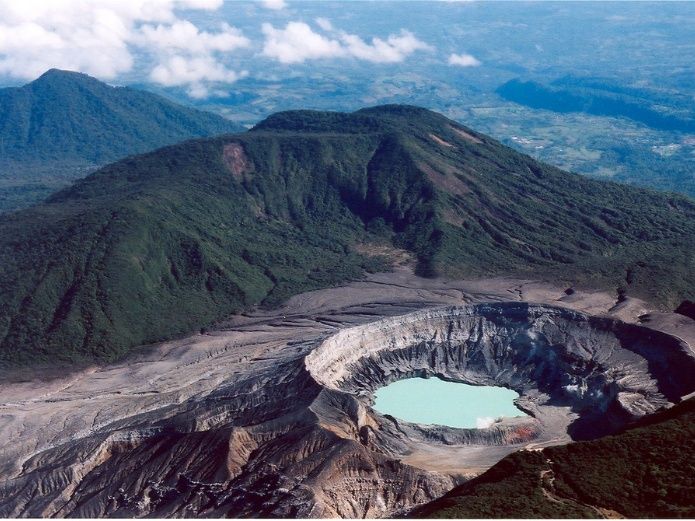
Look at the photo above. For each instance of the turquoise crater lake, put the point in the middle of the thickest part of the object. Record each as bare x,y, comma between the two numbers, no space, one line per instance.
436,401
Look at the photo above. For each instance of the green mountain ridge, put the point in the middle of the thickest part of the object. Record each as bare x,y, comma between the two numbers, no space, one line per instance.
164,243
64,124
647,471
66,115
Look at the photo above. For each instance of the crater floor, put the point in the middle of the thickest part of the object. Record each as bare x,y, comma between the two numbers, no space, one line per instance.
271,414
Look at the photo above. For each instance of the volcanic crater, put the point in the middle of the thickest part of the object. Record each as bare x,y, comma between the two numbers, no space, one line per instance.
273,415
578,376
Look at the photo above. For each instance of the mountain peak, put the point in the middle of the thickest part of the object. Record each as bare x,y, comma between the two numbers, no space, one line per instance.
399,110
53,75
71,116
53,72
379,118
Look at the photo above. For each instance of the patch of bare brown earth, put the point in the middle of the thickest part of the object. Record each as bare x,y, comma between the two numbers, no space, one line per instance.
466,135
235,160
450,182
396,257
440,141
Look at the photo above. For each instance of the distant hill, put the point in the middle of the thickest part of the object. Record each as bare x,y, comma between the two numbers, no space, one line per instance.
644,472
71,116
599,97
63,124
160,244
661,161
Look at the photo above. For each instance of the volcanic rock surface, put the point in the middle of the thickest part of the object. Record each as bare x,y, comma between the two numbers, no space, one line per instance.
270,415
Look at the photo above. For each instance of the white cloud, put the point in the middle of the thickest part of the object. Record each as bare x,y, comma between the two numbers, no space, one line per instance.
394,49
188,57
463,60
194,73
182,35
484,423
298,42
274,4
324,23
35,36
99,37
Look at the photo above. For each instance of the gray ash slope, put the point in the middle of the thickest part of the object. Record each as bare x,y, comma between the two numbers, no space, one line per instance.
280,424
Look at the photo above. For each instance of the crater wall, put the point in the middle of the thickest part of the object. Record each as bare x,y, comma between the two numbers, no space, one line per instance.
604,371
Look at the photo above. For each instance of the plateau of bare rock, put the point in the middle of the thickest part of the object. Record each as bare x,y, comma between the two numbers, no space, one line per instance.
271,414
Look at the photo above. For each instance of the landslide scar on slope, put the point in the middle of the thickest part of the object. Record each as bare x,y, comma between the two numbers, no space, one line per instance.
447,182
465,135
440,141
236,161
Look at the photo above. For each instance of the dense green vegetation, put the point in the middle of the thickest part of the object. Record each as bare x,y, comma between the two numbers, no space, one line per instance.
660,111
647,471
68,115
63,123
161,244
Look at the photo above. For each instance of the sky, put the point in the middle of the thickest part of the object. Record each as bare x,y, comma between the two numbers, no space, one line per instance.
163,42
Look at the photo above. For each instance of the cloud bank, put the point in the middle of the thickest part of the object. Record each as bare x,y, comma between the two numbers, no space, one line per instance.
297,42
105,38
99,37
188,57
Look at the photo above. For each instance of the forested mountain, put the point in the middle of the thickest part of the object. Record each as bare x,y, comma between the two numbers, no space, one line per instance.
67,115
594,96
63,124
160,244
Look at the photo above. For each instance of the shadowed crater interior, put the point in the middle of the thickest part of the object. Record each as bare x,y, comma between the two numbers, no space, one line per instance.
577,375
